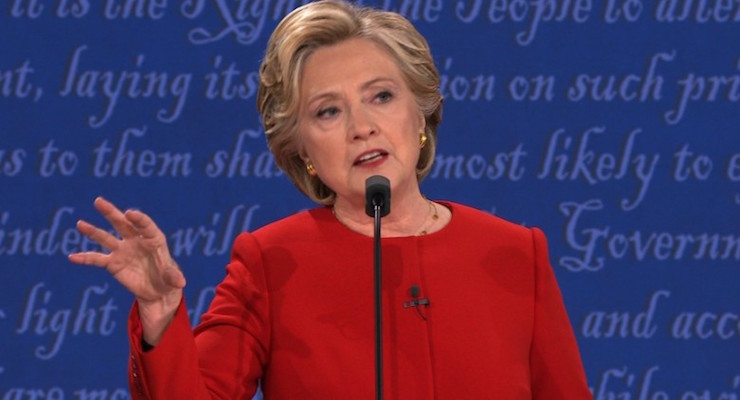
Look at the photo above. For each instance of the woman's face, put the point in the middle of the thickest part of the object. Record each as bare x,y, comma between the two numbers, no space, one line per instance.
358,118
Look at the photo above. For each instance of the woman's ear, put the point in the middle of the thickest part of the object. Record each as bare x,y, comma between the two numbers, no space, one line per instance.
302,153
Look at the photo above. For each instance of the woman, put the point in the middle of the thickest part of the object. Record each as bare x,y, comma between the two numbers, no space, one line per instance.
347,93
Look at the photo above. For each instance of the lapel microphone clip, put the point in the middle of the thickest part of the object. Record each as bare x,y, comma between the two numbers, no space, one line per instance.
415,291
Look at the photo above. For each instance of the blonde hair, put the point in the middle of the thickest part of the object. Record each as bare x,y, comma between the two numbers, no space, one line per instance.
324,23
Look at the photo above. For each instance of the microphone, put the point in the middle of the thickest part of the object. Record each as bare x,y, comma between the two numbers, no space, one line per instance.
415,291
377,193
378,205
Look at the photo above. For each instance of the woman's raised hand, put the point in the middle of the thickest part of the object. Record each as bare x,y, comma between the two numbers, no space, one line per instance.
140,260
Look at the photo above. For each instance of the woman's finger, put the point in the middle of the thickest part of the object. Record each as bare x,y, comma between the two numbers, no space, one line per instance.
144,225
90,258
98,235
115,217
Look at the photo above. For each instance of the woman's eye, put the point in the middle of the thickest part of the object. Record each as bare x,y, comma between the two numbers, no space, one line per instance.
327,112
384,96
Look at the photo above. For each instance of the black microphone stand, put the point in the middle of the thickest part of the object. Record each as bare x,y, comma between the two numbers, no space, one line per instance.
378,307
378,205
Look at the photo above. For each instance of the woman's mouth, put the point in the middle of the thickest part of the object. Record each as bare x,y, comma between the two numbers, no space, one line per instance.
370,157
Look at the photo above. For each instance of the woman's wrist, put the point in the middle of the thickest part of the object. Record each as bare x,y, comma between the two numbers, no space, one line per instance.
156,316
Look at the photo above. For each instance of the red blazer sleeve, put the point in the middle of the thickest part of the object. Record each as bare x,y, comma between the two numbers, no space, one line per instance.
224,356
557,371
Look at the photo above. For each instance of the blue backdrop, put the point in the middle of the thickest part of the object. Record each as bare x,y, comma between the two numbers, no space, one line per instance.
613,125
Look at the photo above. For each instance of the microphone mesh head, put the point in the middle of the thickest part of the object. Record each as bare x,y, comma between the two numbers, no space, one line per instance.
377,192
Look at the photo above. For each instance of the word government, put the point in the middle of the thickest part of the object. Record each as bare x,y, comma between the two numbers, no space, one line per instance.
594,244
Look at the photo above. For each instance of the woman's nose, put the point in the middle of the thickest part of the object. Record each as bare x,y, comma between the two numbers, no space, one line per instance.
362,124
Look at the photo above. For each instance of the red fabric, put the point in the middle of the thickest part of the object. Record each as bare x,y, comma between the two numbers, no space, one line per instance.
296,311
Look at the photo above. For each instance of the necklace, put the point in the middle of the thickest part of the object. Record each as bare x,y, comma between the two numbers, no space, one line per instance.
435,216
432,210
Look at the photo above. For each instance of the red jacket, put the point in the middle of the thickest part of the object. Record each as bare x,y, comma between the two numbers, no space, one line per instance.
295,314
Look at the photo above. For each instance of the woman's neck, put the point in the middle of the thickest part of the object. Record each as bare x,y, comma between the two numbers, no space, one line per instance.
411,215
